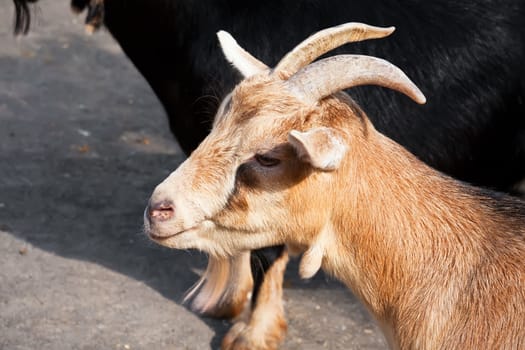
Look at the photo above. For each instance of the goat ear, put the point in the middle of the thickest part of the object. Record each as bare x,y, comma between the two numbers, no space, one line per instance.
240,58
324,148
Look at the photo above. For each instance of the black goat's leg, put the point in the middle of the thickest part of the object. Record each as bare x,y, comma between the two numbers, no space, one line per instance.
95,13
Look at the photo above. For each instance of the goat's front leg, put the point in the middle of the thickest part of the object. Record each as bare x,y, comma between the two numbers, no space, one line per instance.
265,326
225,287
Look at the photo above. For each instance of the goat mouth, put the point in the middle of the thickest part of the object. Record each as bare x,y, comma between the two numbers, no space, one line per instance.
160,238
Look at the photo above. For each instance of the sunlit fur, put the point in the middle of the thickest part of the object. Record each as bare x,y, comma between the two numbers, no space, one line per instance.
224,288
438,263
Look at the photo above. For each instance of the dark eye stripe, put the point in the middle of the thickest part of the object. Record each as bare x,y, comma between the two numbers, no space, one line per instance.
266,161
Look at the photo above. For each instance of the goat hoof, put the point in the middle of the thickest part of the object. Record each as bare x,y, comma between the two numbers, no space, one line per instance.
228,343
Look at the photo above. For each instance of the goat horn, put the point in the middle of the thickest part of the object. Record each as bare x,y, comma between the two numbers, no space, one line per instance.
247,64
333,74
324,41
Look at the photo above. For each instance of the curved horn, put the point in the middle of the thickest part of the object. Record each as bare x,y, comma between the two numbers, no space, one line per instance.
330,75
240,58
324,41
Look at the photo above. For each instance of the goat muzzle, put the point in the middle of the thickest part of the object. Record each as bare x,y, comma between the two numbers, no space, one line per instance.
160,211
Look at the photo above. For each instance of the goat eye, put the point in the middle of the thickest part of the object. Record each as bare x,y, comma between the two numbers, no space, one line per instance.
266,161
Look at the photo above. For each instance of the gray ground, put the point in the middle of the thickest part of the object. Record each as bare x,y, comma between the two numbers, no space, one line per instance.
83,141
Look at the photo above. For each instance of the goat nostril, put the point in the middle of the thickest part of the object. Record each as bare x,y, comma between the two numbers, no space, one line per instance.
161,211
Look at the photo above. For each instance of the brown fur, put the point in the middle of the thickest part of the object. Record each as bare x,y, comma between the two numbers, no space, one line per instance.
437,262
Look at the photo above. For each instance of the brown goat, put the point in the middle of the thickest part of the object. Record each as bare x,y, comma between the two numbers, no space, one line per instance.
291,160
